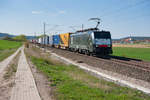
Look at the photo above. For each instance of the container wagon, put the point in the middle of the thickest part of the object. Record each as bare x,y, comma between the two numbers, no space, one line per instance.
64,40
46,40
40,40
56,41
51,40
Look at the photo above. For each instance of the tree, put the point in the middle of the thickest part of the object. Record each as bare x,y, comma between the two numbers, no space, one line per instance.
20,38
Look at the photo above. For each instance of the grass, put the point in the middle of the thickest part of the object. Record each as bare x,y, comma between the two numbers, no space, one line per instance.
12,68
138,53
5,44
71,83
7,48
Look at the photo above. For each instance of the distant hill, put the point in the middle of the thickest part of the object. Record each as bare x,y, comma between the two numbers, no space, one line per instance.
116,39
133,38
137,38
30,37
8,35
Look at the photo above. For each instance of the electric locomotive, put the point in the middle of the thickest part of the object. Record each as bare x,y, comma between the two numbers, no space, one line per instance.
91,41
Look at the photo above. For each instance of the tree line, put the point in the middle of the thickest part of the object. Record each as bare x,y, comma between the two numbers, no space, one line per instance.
19,38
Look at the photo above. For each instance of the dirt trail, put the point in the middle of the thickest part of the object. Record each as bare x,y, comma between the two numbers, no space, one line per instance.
5,62
25,87
7,78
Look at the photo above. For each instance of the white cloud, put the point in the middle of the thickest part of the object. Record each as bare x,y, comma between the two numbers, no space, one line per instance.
61,12
36,12
57,13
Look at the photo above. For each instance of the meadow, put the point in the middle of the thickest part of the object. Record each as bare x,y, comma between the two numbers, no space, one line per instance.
137,53
7,48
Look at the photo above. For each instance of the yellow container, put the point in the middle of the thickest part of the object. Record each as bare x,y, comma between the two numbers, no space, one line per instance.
64,40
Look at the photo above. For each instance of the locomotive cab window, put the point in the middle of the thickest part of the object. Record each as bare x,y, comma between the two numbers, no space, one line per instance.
102,35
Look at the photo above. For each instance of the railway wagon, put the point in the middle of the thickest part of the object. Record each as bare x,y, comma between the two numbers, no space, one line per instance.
34,40
44,40
40,40
64,40
51,40
56,41
91,42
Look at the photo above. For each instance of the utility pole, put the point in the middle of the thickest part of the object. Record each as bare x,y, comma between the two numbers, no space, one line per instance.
44,24
82,27
44,31
35,34
35,38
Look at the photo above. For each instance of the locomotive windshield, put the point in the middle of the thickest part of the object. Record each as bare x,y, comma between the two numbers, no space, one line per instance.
102,35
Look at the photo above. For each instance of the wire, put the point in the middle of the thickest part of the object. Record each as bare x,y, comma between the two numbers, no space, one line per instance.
125,8
53,28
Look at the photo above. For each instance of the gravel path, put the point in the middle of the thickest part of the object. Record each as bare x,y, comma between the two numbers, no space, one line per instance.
5,62
25,87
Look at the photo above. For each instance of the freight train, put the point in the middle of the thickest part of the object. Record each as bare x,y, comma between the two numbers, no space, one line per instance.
88,41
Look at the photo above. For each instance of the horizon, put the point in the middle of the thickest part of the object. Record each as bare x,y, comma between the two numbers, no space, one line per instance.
48,34
128,18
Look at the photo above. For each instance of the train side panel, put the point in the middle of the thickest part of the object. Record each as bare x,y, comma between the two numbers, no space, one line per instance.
56,41
46,40
64,40
81,42
40,40
51,40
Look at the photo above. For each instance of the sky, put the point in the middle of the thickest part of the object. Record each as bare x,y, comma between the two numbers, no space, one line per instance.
121,17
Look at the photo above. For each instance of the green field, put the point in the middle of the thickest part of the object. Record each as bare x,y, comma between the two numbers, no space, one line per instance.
5,44
71,83
138,53
7,48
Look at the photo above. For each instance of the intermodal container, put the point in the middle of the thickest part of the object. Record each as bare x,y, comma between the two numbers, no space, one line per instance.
64,40
56,40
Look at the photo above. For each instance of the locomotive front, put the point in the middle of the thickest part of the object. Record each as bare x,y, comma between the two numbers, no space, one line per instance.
102,42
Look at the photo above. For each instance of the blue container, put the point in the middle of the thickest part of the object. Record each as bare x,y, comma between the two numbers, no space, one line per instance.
56,40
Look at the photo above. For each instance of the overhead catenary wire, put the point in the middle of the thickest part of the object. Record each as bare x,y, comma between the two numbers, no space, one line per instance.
125,8
117,11
53,28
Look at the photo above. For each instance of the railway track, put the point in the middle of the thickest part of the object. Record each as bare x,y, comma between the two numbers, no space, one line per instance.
126,66
134,64
141,65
